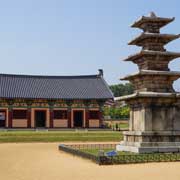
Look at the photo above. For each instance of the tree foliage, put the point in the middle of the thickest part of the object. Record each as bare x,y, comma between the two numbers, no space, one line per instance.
122,89
117,113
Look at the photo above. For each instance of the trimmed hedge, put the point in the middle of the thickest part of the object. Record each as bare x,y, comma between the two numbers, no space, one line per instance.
121,159
140,158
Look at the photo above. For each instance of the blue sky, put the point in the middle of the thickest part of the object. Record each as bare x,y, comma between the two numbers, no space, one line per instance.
68,37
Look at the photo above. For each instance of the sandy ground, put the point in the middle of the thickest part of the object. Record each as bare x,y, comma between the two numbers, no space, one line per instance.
43,161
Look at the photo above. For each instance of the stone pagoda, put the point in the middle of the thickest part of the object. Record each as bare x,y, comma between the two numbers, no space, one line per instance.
154,106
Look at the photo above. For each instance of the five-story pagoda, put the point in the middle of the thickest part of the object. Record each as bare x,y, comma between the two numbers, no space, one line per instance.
155,106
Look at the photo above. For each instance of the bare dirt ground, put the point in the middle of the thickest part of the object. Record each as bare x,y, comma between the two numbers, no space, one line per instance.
43,161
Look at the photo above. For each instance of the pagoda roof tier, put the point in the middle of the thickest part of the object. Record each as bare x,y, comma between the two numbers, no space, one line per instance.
148,95
155,38
151,20
146,53
173,74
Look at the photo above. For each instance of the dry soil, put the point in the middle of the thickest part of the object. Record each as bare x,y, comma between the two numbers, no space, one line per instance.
43,161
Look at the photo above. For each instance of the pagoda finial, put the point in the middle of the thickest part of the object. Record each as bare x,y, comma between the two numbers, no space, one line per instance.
152,14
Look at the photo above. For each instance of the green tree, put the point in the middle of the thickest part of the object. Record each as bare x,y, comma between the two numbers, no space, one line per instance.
117,113
122,89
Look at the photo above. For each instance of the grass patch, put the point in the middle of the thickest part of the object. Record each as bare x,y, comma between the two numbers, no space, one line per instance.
59,136
116,125
96,151
124,125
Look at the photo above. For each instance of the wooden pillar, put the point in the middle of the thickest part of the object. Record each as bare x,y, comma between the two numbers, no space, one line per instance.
50,124
29,104
51,118
101,104
100,118
29,117
10,116
87,118
6,121
69,117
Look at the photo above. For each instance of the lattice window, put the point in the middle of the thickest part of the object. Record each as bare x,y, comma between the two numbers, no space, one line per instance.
19,114
93,114
60,114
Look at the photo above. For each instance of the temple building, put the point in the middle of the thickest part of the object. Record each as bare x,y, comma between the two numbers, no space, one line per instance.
28,101
154,124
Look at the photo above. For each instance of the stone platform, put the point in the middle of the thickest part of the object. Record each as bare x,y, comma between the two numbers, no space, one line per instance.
150,141
155,149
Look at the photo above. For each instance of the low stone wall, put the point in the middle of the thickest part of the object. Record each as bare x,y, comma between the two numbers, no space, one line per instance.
19,123
60,123
94,123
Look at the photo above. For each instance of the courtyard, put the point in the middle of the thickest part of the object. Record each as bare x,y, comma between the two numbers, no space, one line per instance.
43,161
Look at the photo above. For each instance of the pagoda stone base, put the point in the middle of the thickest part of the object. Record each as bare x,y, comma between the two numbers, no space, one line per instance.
154,149
149,142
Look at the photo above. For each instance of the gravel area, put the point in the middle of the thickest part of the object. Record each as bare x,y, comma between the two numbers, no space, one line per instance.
43,161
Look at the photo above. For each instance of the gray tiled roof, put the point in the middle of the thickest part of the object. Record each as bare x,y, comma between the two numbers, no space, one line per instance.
54,87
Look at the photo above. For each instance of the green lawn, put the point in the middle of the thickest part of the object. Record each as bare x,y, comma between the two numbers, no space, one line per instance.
96,151
113,124
124,126
59,136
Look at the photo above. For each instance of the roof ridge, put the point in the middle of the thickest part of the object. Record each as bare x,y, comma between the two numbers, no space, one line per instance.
49,76
107,86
